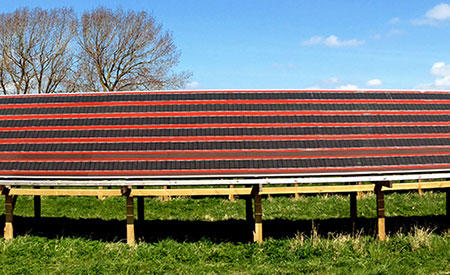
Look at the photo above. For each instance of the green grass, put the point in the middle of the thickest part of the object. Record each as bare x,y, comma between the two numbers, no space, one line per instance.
418,243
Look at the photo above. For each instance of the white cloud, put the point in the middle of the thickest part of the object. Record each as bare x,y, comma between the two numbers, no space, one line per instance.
394,21
439,12
192,85
374,82
442,73
332,41
347,87
442,82
440,69
435,15
315,40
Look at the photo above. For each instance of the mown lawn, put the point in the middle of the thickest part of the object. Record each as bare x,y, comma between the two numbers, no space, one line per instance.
209,235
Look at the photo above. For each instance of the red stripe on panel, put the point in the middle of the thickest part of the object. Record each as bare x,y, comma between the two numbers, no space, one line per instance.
231,101
234,125
219,138
225,151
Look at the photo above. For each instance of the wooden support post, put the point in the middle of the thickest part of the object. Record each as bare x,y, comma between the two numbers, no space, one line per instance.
419,189
165,198
231,196
381,227
37,205
296,195
130,220
140,207
9,210
353,211
359,193
258,233
100,197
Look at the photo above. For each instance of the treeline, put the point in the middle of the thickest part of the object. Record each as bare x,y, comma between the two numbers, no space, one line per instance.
47,51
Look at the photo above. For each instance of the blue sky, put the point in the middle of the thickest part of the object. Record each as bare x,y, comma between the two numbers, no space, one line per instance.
289,44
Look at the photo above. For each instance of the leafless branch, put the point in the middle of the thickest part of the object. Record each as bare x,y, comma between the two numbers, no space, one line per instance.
126,51
34,49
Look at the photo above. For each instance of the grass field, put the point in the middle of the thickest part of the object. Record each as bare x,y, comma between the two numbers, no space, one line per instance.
209,235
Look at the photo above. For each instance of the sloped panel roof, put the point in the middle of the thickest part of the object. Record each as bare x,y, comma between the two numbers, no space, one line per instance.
224,133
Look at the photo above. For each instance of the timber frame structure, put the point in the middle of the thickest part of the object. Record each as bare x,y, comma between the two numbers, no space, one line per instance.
247,144
252,196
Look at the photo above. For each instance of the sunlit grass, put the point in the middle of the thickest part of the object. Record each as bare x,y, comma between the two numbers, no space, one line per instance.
420,250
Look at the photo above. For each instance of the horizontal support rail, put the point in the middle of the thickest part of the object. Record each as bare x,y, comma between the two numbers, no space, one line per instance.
191,192
226,191
352,188
66,192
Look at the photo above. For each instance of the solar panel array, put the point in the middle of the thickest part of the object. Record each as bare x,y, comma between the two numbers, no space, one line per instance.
223,133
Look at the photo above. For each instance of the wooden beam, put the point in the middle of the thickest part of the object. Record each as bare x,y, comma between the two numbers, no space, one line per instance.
8,232
224,191
191,192
130,220
381,226
353,211
66,192
140,207
315,189
416,185
258,233
37,205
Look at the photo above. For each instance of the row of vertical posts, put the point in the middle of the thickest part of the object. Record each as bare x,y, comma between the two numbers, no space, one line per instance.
253,206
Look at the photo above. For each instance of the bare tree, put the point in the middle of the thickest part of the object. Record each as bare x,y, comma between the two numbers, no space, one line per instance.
34,49
4,80
52,58
125,51
17,37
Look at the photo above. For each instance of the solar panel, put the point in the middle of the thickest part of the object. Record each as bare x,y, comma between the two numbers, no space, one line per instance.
223,133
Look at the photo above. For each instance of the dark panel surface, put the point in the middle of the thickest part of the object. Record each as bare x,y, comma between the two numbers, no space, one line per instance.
224,133
224,107
231,131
